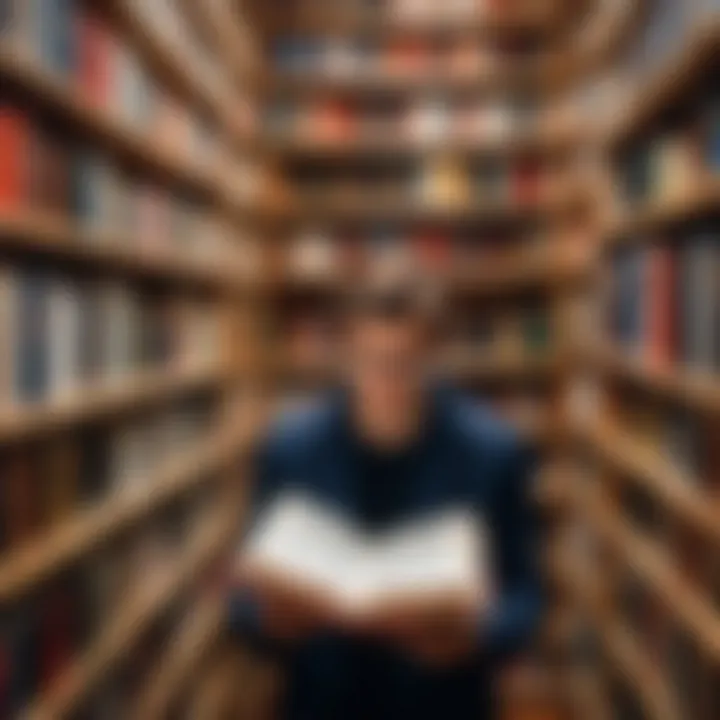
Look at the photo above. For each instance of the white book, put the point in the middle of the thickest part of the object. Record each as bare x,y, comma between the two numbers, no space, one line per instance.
64,349
8,335
300,543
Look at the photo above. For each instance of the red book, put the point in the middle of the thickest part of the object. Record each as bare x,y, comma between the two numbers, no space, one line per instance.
56,635
14,168
525,182
21,500
660,289
432,250
94,42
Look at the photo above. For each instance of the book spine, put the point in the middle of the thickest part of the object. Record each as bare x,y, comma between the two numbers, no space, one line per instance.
64,366
8,335
31,362
14,150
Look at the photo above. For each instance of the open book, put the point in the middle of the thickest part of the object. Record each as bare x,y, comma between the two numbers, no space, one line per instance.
311,549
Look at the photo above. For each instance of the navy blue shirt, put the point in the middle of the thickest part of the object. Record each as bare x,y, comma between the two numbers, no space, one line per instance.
464,455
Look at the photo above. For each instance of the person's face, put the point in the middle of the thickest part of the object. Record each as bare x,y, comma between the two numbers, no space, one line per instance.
388,361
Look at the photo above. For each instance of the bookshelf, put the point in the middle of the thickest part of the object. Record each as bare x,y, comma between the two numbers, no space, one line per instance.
654,504
127,392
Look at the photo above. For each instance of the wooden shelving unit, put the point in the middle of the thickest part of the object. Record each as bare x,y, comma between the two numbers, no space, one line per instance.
57,239
61,245
119,636
639,467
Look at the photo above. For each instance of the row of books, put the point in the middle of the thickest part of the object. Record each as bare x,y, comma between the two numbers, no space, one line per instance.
442,181
40,639
57,334
311,338
46,170
672,162
526,331
399,58
45,481
409,10
67,38
688,443
167,19
318,253
432,120
665,300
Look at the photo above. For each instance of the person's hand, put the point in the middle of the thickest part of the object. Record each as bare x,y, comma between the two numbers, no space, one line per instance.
437,635
287,611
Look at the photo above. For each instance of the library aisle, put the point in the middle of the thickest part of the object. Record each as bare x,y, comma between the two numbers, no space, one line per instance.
188,188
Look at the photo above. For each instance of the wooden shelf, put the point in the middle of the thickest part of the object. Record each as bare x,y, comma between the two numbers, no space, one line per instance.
521,19
649,562
626,656
463,366
60,239
671,82
59,97
38,560
165,62
404,208
103,399
700,200
538,75
518,276
696,389
127,627
482,367
181,658
656,475
398,146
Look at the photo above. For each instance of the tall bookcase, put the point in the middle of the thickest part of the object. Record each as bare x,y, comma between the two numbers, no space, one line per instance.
648,489
127,357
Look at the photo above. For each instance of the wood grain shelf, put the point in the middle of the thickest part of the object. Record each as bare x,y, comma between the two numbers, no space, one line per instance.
539,74
627,658
463,367
692,388
57,238
124,631
643,557
181,658
40,559
698,201
531,17
403,208
656,475
670,82
103,399
518,276
59,97
164,60
398,146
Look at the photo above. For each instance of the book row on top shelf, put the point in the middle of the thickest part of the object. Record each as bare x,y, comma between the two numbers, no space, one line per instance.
371,18
664,256
347,130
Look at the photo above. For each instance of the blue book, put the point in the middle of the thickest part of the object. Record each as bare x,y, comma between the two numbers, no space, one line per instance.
32,362
627,300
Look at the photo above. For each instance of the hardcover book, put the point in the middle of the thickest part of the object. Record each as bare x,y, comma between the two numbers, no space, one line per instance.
438,561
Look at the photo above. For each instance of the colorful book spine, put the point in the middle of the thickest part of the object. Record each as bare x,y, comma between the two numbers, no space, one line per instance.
8,335
32,358
95,45
14,150
699,310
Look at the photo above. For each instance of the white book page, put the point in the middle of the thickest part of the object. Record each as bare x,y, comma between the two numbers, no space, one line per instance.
315,546
308,542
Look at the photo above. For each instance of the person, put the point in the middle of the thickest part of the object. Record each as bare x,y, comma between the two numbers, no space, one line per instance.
393,441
